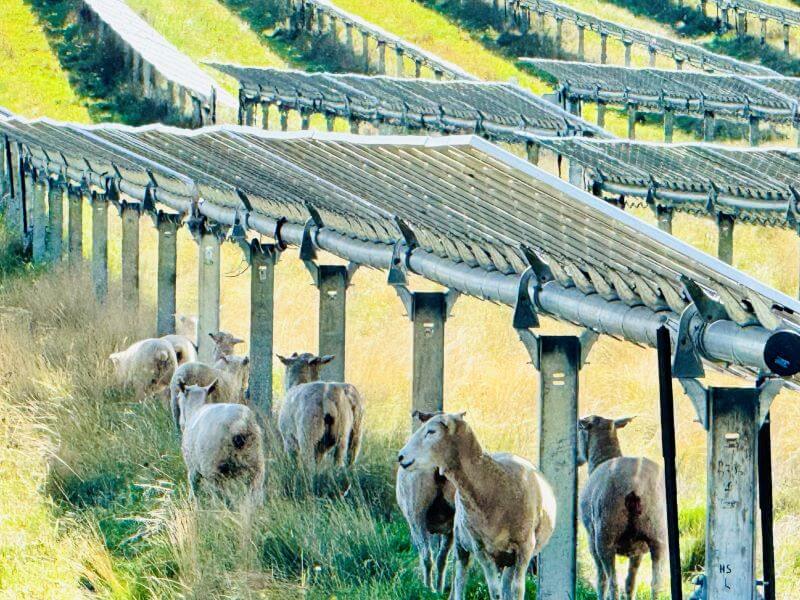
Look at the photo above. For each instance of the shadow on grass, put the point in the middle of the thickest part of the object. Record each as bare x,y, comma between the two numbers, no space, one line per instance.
688,21
750,49
96,67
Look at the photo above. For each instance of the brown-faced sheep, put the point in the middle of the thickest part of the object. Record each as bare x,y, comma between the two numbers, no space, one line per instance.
231,373
623,507
145,366
224,343
427,501
317,417
505,510
221,444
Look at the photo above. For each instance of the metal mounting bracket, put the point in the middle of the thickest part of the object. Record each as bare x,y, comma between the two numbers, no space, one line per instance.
711,310
686,362
407,298
532,342
699,395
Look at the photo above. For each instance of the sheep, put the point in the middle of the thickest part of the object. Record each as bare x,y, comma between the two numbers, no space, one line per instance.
185,350
222,443
224,343
622,506
427,501
317,417
505,510
146,366
186,325
231,373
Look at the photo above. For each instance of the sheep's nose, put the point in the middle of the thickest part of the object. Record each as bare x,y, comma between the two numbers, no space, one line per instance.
400,458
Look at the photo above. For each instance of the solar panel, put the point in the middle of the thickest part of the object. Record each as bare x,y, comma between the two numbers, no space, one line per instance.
497,109
773,99
753,185
156,50
473,215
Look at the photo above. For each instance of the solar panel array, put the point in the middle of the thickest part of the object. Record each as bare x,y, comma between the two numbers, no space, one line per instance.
458,199
410,50
681,91
762,10
165,58
694,55
754,185
498,110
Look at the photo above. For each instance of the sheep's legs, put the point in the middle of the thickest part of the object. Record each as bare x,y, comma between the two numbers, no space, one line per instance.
341,450
257,488
513,582
630,581
607,558
445,545
657,556
354,447
194,482
459,587
492,574
601,576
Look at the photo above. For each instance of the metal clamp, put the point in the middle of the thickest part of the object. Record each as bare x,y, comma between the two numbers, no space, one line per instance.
532,342
699,395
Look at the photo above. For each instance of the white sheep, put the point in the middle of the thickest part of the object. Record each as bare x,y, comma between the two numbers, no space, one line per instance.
186,325
224,343
146,366
623,507
232,374
221,443
317,417
505,509
185,350
427,501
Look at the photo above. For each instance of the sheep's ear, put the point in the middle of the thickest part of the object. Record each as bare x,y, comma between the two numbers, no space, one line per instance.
235,340
323,360
422,416
620,423
284,360
214,336
585,423
211,387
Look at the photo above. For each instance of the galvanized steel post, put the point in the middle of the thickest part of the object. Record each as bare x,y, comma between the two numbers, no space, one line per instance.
753,131
167,226
75,225
55,217
100,245
130,213
332,282
39,215
664,218
208,289
262,299
725,238
669,124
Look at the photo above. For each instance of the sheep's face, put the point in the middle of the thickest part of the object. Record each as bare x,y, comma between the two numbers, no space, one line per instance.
303,368
432,445
594,430
225,341
238,366
186,326
190,398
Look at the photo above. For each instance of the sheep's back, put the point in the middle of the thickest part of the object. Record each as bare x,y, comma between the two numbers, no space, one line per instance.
208,437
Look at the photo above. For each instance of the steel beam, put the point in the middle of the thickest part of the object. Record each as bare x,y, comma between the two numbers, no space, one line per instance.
208,289
765,505
39,218
332,282
55,216
100,245
730,522
167,226
130,214
75,225
262,298
725,238
14,210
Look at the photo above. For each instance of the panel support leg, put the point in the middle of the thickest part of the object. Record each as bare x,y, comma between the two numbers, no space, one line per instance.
632,121
754,131
709,127
766,506
39,214
208,288
262,298
130,214
55,213
664,218
428,312
75,232
558,360
167,226
725,238
100,246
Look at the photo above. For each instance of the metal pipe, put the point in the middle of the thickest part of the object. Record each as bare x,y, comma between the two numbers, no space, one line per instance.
777,352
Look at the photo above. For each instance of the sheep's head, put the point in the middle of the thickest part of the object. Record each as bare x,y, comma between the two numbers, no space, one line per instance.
225,342
303,368
433,444
237,366
598,434
186,326
192,397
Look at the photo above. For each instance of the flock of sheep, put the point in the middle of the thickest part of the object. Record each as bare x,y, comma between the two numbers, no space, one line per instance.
497,507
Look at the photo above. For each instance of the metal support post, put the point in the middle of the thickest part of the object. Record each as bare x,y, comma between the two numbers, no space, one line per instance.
100,245
167,226
209,239
725,238
75,225
130,213
55,215
39,217
262,298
